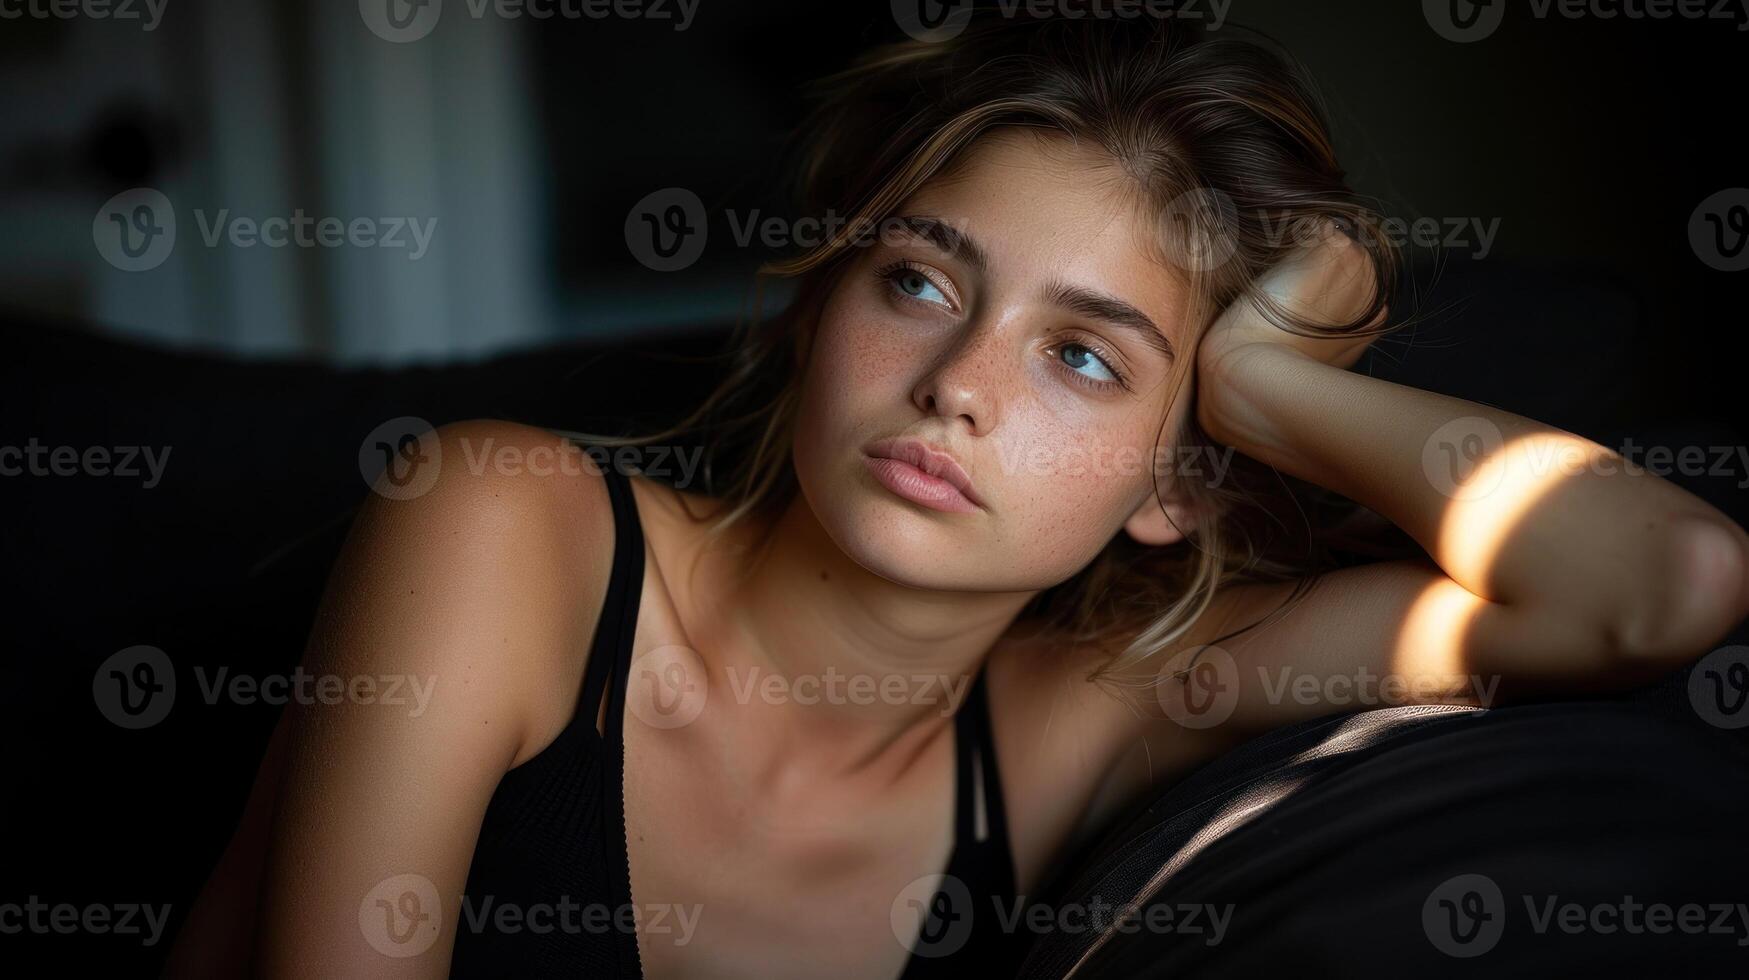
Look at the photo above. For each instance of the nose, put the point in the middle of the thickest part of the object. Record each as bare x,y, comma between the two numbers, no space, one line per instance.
963,382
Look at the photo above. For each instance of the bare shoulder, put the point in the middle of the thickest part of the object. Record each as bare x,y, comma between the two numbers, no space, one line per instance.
1093,704
1121,695
468,576
1260,656
1079,736
505,551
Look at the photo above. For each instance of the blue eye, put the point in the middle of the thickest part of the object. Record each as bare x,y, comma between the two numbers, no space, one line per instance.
916,285
1081,359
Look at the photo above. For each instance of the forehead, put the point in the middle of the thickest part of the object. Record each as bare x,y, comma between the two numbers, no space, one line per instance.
1044,207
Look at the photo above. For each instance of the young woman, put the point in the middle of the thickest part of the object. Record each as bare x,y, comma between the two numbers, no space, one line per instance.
961,596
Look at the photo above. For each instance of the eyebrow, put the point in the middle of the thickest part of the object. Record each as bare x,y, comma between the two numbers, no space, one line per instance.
1099,306
1078,300
949,239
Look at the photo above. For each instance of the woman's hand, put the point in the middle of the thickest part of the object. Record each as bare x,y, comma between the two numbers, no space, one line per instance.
1329,281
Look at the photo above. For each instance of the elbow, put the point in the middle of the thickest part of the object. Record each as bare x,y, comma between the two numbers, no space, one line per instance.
1699,594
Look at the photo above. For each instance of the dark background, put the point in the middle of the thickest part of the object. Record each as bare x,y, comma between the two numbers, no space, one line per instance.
1591,140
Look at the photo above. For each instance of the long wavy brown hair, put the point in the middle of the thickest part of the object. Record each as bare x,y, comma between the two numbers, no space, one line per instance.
1228,149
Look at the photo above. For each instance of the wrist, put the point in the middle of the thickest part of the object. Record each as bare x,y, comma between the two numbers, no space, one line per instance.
1223,409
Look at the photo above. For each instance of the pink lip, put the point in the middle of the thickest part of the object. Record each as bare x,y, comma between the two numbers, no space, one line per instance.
922,474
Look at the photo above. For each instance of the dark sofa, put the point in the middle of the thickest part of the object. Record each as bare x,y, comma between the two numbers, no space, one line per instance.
221,562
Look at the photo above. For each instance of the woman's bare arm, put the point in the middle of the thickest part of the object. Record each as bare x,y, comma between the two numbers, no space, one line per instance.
354,850
218,938
1527,524
1554,567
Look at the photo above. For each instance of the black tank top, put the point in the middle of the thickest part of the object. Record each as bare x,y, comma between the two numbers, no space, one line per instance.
548,890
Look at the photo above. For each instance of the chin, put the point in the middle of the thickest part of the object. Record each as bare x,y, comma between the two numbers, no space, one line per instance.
890,537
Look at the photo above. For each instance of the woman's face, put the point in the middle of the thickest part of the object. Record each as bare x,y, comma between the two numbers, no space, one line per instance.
1010,318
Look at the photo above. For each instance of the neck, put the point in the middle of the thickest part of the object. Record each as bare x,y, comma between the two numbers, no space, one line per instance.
847,670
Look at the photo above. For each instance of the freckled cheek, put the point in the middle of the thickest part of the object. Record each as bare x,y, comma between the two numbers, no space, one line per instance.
1054,541
1068,490
860,360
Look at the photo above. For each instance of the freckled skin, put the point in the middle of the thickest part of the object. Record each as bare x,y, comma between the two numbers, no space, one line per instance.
980,380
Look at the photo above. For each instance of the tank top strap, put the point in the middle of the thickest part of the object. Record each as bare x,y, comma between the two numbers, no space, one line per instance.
963,933
978,780
610,656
